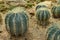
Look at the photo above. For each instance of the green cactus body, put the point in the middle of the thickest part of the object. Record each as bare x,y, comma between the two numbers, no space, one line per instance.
43,15
16,23
53,33
53,27
56,11
57,35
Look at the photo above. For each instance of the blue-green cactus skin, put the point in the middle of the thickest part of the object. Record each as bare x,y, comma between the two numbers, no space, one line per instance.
54,26
57,34
53,33
40,6
42,15
16,23
56,11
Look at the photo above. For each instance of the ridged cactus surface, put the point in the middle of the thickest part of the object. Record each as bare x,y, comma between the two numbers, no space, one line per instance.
16,23
56,11
53,33
43,15
40,6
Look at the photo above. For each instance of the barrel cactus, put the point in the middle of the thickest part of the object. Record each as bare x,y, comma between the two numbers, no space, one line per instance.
56,11
53,33
43,15
16,23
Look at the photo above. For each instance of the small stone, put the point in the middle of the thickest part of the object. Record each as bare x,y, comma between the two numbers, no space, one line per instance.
0,31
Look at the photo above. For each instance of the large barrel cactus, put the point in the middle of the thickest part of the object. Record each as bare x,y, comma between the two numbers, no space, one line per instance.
16,23
53,33
43,15
56,11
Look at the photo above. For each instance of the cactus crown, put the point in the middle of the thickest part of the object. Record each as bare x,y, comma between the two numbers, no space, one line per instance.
40,6
56,10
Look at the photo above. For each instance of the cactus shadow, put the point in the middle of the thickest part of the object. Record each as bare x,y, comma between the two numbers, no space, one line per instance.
56,17
43,24
17,37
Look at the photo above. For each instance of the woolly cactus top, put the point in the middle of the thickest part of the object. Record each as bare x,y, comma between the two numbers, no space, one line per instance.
43,9
17,10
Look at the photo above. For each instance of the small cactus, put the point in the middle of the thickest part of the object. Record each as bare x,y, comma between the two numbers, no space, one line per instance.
56,11
16,23
53,33
43,15
46,4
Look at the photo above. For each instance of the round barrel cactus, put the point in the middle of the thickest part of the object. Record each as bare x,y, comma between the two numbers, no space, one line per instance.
53,33
16,23
43,15
56,11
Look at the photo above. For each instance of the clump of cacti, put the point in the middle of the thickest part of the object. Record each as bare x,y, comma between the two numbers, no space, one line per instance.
43,15
53,33
16,23
56,11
